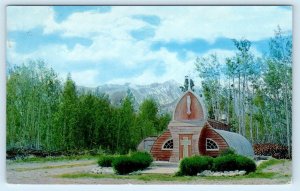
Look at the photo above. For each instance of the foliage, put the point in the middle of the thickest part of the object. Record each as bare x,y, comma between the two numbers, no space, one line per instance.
254,93
33,92
106,160
137,161
196,164
143,159
225,163
47,117
233,162
228,151
245,163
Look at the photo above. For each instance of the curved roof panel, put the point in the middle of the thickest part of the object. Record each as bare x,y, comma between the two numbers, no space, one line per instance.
238,142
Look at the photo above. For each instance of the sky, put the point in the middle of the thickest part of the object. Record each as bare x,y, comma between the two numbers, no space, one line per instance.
136,44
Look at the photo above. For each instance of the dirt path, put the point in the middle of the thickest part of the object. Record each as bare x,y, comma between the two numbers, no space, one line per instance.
44,173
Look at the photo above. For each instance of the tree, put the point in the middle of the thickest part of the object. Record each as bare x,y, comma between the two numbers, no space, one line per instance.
32,99
66,119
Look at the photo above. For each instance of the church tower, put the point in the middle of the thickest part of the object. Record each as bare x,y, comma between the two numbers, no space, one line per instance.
188,119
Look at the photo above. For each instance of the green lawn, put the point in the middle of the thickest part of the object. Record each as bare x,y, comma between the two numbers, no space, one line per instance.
170,177
55,159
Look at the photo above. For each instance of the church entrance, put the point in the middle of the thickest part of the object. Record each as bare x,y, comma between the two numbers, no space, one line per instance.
185,145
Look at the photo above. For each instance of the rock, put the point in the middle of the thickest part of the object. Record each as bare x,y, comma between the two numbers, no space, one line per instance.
136,172
102,170
225,173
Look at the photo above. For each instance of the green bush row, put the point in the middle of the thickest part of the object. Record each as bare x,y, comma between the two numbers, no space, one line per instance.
106,160
125,164
196,164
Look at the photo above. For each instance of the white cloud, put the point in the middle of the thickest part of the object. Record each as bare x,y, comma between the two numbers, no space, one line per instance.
180,23
86,78
111,39
24,18
175,69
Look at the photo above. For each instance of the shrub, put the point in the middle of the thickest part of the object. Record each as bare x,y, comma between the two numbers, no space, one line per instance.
244,163
192,165
228,151
124,165
225,163
142,159
233,162
106,160
135,161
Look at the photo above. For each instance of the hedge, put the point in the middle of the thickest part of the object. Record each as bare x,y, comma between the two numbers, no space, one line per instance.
126,164
232,162
106,160
192,165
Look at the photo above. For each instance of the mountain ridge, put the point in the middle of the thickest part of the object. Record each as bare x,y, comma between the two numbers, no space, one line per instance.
165,93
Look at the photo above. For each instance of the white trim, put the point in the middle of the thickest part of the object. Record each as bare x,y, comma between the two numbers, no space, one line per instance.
212,141
162,147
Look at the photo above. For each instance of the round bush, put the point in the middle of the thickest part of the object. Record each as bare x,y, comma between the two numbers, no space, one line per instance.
106,160
233,162
142,159
244,163
135,161
225,163
124,165
192,165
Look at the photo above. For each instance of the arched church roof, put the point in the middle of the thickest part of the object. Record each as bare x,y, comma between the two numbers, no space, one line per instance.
200,104
238,142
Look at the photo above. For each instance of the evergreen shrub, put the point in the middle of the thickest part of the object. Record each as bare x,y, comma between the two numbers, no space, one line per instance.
196,164
126,164
142,159
225,163
233,162
106,160
245,163
228,151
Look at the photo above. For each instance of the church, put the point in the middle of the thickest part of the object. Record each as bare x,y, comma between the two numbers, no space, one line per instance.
190,132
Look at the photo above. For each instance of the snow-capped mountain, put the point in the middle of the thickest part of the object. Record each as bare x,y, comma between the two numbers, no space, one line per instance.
166,93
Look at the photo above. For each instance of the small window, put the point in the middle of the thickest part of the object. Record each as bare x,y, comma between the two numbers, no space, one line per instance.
168,145
211,145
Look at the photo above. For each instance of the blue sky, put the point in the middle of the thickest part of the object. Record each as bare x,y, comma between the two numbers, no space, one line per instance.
139,45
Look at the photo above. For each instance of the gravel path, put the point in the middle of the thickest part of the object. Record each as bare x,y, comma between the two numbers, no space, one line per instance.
44,173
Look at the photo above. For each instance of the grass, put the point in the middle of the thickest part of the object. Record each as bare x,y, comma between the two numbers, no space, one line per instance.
258,174
54,159
170,177
268,163
55,166
142,177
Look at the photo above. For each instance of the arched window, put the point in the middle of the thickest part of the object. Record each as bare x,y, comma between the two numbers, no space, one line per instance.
211,145
168,145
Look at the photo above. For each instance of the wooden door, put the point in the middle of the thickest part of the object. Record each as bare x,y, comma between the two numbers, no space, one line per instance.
185,145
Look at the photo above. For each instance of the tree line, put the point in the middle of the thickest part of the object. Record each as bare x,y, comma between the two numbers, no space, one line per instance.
253,94
45,114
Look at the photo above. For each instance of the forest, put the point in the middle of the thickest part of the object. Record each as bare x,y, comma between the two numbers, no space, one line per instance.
253,93
44,114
